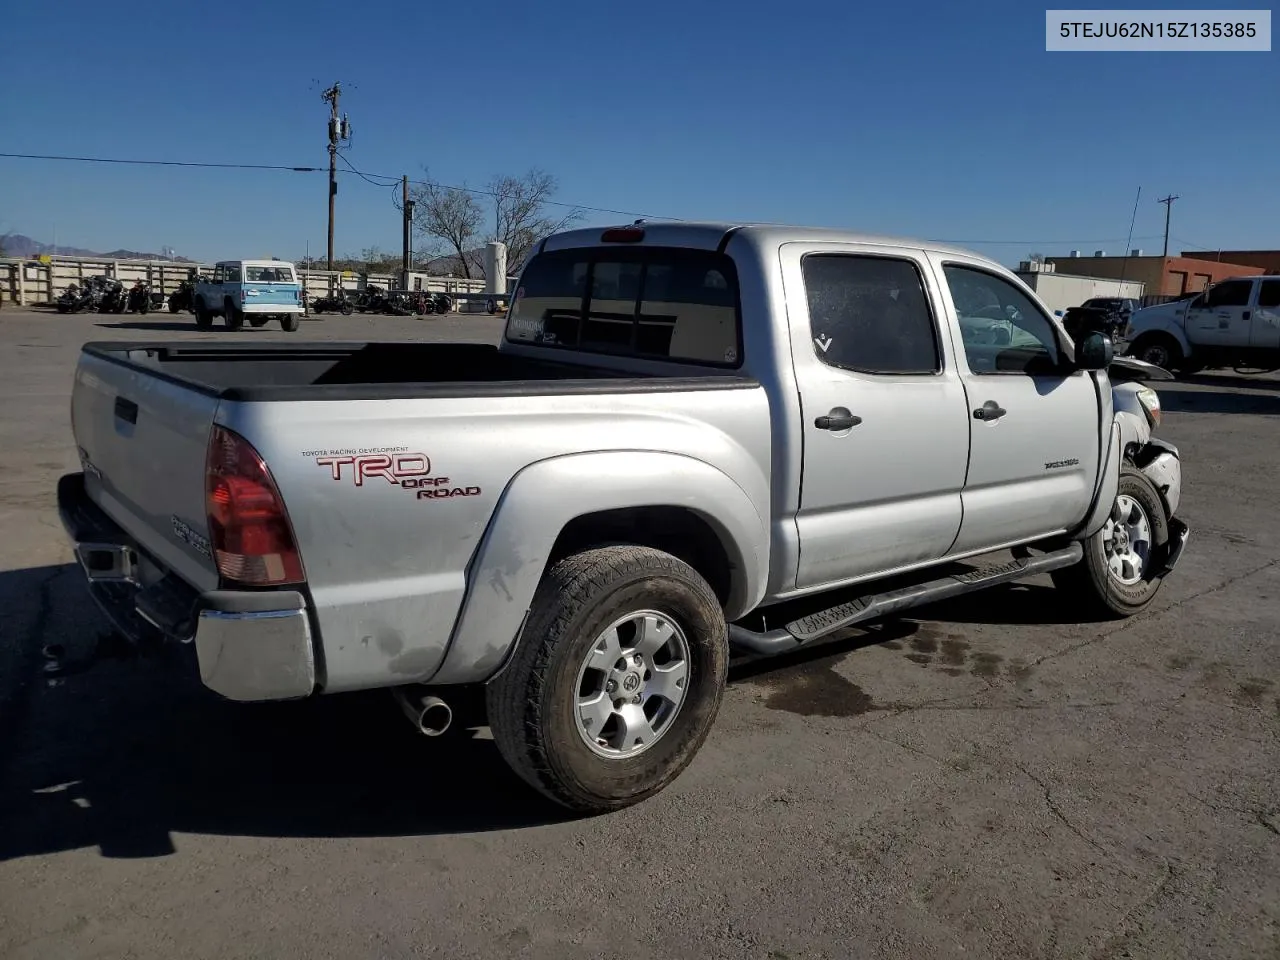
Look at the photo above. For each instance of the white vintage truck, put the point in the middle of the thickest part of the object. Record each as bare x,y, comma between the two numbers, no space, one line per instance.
1234,323
693,438
253,290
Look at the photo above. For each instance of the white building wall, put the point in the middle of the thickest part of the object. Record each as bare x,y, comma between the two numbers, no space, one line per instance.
1062,291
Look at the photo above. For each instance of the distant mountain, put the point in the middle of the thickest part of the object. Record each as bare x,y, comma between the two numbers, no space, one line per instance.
17,245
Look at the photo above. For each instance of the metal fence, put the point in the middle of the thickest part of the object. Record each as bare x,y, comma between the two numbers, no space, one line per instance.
34,282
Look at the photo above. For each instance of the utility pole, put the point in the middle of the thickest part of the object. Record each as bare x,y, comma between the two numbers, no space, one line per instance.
407,207
1168,209
338,131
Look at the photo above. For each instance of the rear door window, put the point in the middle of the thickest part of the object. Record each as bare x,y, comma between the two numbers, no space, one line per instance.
653,302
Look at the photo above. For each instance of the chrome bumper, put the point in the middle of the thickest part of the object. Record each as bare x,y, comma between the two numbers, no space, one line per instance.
251,645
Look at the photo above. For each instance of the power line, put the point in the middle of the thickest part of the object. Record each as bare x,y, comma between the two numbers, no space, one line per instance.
392,181
165,163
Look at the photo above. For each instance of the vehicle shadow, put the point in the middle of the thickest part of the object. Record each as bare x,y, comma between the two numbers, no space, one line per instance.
1254,381
152,325
1184,399
122,751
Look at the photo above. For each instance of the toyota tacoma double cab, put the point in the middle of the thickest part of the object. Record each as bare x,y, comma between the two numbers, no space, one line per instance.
693,440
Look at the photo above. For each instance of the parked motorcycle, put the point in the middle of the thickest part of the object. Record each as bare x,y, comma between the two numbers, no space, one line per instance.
139,300
337,304
76,298
184,297
91,295
114,298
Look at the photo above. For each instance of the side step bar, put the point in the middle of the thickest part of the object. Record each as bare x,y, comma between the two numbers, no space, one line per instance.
874,605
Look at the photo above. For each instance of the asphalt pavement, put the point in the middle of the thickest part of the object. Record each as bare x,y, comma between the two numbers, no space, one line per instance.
990,777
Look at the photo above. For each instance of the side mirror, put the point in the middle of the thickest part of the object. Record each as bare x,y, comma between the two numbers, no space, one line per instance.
1094,352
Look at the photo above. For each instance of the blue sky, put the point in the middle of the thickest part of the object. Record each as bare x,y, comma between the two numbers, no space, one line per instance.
938,120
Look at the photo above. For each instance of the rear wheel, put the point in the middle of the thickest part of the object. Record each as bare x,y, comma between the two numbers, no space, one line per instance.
289,321
1117,576
616,678
204,319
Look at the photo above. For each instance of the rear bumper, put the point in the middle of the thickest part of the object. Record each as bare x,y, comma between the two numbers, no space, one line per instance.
251,645
250,306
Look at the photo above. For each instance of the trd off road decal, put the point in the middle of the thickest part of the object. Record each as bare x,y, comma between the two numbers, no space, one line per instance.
399,466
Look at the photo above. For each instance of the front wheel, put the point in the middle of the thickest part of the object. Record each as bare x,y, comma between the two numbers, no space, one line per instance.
289,321
1158,349
616,679
1118,576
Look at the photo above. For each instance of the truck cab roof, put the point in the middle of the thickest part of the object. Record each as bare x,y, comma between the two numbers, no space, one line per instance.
711,235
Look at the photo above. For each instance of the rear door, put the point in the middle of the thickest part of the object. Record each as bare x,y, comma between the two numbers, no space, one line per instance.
270,285
1222,316
1265,330
142,442
1035,431
885,430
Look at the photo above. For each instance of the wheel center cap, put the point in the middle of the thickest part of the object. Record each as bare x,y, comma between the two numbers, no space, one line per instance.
631,682
1122,539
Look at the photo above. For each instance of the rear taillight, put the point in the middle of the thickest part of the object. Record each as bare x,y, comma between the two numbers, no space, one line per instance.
252,539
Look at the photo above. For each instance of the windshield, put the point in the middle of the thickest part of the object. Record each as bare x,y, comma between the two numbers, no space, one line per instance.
273,274
658,302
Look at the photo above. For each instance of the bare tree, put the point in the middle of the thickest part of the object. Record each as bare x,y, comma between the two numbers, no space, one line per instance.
448,221
519,218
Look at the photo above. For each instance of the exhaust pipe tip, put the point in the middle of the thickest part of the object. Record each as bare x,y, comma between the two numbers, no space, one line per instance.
429,715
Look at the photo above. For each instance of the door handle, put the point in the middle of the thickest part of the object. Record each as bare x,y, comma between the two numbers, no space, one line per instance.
838,419
126,410
989,411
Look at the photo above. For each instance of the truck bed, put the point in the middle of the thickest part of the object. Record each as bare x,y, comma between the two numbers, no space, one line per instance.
328,370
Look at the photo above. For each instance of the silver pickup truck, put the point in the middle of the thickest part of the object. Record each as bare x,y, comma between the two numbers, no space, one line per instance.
693,439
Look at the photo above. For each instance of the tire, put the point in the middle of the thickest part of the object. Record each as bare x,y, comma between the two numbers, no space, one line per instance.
234,317
204,319
533,702
1095,582
347,309
1158,349
258,319
173,307
289,322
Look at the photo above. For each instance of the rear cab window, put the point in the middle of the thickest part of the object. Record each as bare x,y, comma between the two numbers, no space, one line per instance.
661,303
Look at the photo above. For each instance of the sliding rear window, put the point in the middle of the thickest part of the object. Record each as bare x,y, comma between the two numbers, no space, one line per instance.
654,302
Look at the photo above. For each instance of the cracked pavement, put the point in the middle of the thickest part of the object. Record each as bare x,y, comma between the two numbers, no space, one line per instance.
989,777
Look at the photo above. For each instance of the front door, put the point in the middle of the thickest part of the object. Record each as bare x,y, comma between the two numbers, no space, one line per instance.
1221,317
1035,430
1264,332
884,426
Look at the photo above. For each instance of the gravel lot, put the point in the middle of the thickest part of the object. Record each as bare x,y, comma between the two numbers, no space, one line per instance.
991,778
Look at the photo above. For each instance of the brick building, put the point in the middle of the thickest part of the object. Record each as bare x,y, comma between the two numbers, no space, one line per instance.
1160,276
1268,260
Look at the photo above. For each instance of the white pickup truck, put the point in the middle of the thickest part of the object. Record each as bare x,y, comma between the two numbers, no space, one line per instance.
1233,323
693,438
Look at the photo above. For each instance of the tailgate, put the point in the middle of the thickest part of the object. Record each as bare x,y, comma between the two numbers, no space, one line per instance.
272,294
141,440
